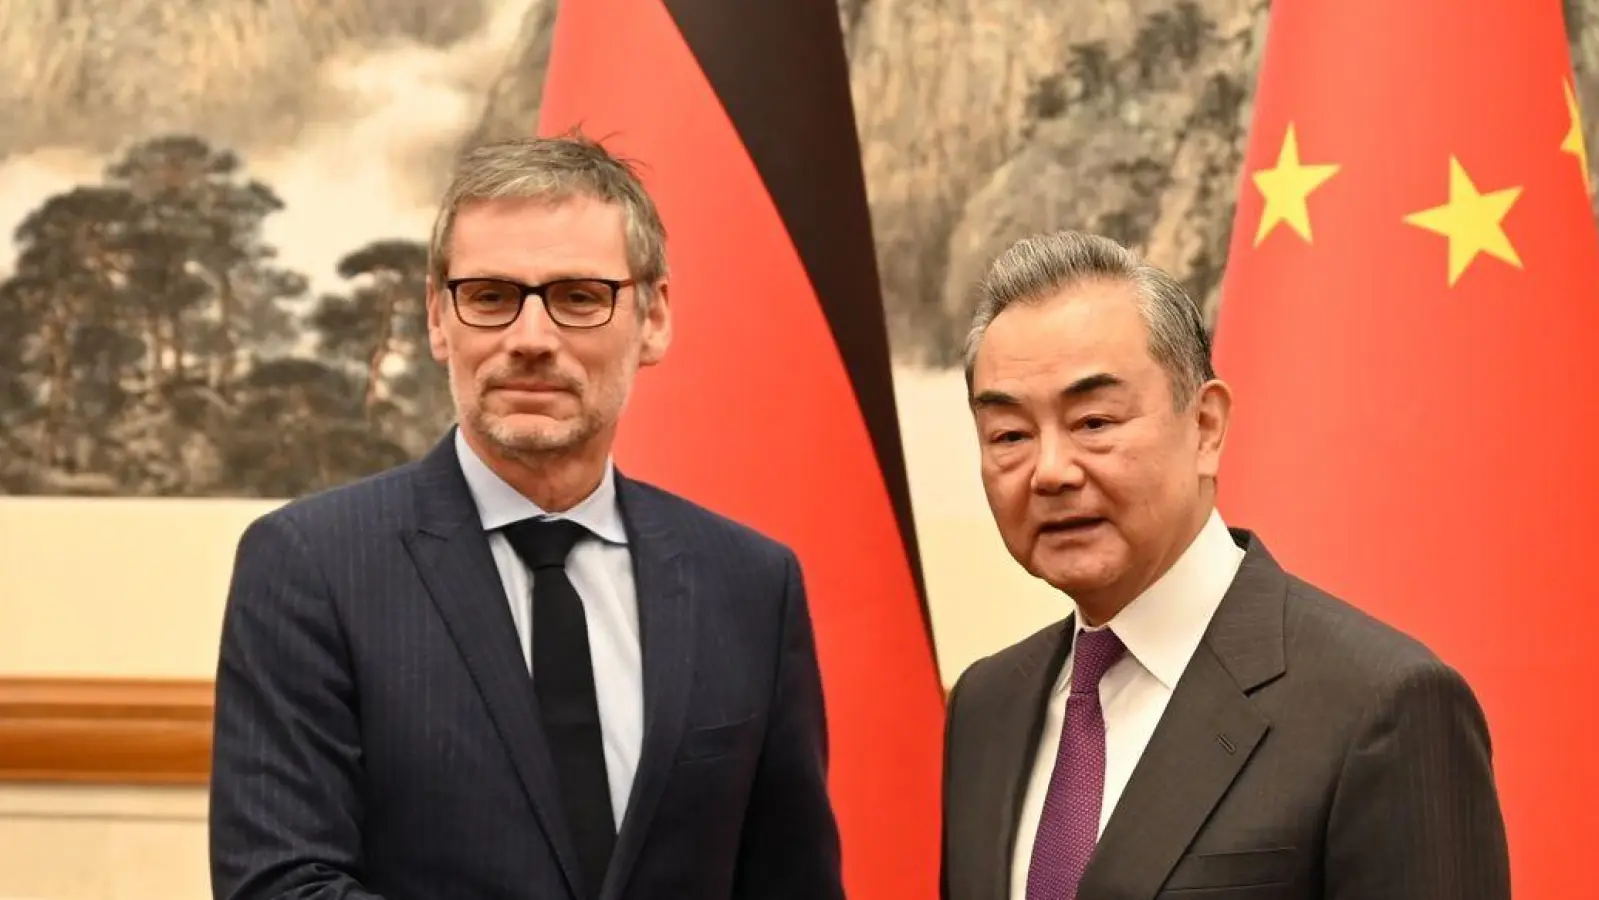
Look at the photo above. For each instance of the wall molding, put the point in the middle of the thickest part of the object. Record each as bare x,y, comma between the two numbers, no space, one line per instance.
105,731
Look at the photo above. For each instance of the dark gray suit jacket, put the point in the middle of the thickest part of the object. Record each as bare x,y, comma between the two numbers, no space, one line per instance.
1308,751
377,732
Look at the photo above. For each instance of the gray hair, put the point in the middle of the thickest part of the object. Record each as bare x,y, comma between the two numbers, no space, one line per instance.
1041,266
555,169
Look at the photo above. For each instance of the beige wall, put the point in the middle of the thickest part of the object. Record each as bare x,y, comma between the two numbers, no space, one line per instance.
117,587
134,588
102,844
114,588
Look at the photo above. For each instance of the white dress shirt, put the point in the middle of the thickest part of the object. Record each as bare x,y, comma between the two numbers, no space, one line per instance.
1161,628
601,569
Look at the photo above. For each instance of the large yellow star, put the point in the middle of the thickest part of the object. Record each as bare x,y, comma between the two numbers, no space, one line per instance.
1287,189
1574,143
1471,221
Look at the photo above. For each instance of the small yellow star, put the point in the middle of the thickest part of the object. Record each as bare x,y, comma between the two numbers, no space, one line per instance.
1574,143
1471,221
1287,189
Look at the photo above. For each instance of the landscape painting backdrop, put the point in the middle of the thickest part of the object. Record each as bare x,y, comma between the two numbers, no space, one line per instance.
213,216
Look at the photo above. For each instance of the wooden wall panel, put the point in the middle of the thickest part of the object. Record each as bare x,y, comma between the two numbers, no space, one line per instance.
105,731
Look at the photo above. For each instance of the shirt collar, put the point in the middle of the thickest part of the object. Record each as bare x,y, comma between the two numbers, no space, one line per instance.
1163,626
499,504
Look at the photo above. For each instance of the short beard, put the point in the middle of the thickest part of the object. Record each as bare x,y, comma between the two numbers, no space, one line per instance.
561,439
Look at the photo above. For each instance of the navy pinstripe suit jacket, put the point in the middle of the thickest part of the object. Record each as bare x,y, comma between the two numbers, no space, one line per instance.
377,735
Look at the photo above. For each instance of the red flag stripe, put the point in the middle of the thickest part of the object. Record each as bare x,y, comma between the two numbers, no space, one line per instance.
754,55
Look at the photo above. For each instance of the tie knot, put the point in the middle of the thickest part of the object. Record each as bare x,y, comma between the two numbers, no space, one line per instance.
1096,652
544,543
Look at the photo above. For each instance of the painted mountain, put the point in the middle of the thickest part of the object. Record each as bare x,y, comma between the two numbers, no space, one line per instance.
214,213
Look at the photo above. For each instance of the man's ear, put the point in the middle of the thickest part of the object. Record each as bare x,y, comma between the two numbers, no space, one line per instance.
657,326
1212,412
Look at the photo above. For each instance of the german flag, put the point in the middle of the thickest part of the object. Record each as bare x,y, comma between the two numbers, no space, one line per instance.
776,403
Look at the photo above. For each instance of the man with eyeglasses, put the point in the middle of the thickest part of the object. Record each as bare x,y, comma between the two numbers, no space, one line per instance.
507,670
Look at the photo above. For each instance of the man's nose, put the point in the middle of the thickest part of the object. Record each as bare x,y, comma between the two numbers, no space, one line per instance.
533,332
1057,467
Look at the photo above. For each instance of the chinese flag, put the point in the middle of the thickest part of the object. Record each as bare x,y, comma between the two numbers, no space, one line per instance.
775,404
1410,323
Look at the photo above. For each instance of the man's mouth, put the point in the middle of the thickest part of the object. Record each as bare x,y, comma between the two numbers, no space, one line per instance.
1069,524
530,387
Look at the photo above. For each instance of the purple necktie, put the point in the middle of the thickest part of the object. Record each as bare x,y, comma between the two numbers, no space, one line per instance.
1069,827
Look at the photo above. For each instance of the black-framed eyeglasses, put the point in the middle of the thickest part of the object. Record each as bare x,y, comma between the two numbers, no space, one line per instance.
570,302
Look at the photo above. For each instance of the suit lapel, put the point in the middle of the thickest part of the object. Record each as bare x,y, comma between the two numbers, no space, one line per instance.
1205,737
452,556
1015,733
666,631
1208,732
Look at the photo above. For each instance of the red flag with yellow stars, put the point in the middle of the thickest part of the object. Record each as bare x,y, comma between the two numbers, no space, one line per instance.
1410,322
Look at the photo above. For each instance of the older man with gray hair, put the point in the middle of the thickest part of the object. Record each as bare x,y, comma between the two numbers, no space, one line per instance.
1201,722
507,670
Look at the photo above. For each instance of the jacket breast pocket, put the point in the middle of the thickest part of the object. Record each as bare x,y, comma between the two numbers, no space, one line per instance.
716,741
1239,871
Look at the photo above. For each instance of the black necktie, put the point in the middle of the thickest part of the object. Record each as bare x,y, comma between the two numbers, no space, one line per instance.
563,679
